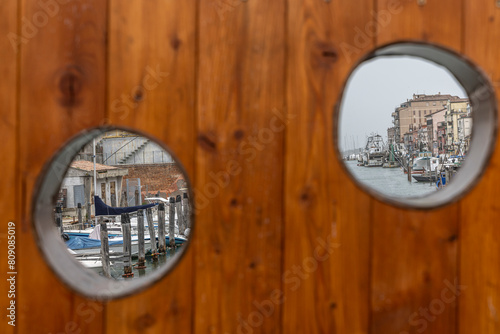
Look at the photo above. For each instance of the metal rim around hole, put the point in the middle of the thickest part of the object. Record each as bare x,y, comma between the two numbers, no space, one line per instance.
484,130
53,249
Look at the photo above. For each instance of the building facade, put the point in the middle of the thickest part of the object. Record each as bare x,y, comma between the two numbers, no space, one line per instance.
78,186
412,114
455,110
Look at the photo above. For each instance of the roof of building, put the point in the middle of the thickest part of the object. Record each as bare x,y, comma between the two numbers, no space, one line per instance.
435,97
89,166
461,99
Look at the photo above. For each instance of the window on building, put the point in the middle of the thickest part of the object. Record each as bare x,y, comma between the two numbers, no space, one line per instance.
420,113
413,112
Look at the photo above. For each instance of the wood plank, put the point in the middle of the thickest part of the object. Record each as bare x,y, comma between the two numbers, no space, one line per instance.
240,166
415,253
414,259
436,21
479,249
482,33
62,92
154,42
322,204
8,149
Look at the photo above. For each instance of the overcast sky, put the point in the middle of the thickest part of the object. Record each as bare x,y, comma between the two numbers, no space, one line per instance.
380,85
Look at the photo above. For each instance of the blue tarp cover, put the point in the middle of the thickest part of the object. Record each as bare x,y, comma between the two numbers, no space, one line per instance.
86,242
101,209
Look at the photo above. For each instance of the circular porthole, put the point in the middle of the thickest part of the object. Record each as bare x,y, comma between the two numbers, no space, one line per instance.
416,124
113,212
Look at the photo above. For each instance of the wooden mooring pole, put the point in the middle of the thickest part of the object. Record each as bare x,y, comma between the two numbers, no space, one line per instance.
162,248
59,222
79,213
171,223
141,262
124,200
104,248
152,236
180,214
127,246
137,199
409,170
185,211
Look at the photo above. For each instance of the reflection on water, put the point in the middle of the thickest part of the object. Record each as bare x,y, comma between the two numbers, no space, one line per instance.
389,181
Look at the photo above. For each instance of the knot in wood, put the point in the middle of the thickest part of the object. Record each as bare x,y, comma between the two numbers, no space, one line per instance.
70,86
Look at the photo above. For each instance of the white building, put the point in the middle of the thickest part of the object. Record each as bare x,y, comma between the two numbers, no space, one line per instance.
124,148
78,183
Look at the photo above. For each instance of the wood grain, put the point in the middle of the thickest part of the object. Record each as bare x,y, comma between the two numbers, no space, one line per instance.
322,205
62,91
239,165
8,150
415,253
434,22
152,88
243,93
479,248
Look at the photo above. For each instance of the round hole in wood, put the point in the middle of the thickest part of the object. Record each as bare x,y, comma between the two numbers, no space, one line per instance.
137,181
442,137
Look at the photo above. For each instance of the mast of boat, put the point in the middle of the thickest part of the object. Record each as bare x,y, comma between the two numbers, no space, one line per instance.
95,179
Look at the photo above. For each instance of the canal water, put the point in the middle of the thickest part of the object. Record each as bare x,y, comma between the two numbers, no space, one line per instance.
117,270
391,182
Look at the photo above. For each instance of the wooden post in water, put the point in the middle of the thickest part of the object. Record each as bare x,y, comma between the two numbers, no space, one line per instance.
88,213
180,214
137,201
140,236
162,248
127,246
185,211
104,248
171,222
59,222
152,236
124,200
79,213
409,170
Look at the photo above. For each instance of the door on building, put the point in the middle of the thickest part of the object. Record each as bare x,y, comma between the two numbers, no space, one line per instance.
79,195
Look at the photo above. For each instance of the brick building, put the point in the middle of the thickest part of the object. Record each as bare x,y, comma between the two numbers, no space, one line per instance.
163,178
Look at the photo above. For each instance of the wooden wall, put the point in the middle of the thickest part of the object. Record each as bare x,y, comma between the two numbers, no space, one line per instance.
244,91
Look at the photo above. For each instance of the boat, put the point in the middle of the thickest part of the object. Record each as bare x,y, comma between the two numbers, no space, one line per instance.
425,177
374,151
86,245
391,160
425,164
